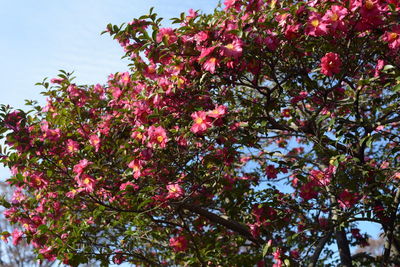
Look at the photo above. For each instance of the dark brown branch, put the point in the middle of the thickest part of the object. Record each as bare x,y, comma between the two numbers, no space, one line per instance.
318,249
231,225
389,232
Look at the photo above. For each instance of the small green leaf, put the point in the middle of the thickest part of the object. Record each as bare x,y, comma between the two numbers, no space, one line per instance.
266,248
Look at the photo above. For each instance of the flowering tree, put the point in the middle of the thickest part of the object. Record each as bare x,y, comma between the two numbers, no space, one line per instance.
263,133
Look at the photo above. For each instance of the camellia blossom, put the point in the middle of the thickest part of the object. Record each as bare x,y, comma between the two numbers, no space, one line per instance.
210,64
201,122
178,243
334,17
218,112
233,49
316,26
157,135
174,191
94,140
80,167
16,236
347,199
136,165
330,64
72,146
393,37
86,182
166,34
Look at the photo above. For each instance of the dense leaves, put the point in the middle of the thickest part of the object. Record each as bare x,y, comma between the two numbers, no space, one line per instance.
260,134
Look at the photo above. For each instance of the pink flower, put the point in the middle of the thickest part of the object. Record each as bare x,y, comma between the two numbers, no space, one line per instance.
178,243
47,253
210,64
218,112
72,146
201,37
393,37
166,34
4,236
124,186
125,78
330,64
16,236
86,182
57,80
94,140
157,135
204,52
80,167
334,17
174,191
201,122
229,3
233,49
316,27
136,165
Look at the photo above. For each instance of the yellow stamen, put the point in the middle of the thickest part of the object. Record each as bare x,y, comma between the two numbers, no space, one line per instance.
315,22
334,17
199,121
160,139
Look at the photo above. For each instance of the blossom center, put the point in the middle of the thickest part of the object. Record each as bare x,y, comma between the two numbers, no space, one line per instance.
393,35
199,121
369,4
160,139
315,22
229,46
334,17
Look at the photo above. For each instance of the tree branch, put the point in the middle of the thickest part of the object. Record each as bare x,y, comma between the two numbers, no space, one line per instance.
232,225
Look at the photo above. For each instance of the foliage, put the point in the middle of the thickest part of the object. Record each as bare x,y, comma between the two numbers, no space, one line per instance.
260,134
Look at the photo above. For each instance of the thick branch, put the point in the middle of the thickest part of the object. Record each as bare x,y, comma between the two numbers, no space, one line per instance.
231,225
318,249
389,233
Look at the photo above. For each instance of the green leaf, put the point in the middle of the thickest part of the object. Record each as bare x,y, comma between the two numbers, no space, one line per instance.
266,248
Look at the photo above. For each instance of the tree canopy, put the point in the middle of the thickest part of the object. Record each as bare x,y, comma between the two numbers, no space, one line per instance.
261,134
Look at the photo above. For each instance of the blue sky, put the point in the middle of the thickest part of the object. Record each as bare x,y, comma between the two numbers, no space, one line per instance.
40,37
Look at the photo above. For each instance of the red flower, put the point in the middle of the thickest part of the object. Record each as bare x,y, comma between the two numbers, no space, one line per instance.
178,243
347,199
330,64
86,182
271,171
